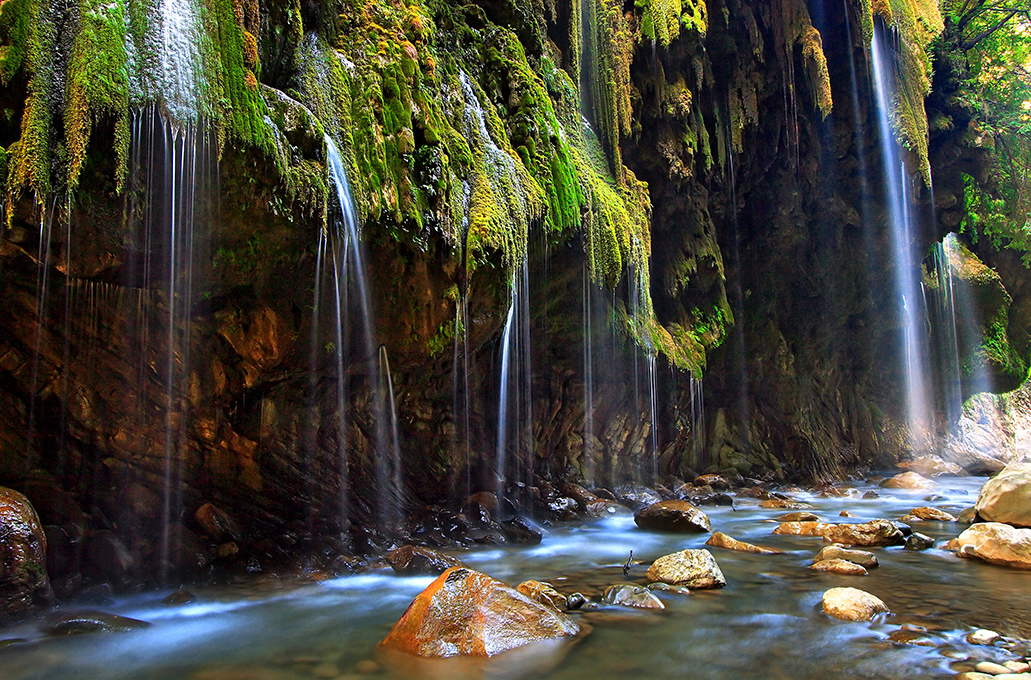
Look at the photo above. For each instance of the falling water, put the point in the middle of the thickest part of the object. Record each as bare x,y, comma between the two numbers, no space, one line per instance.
503,397
697,394
390,478
514,460
588,348
181,60
653,399
900,217
948,351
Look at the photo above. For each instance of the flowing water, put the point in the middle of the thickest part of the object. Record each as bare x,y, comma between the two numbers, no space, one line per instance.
766,623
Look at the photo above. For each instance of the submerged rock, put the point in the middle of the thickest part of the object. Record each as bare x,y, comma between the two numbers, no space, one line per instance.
628,595
932,514
909,480
997,543
852,604
785,504
839,566
696,569
1006,497
412,560
23,556
836,552
82,622
798,517
721,540
678,516
465,612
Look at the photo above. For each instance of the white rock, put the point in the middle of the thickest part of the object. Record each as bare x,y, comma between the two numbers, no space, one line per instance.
997,543
990,668
1006,497
852,604
983,636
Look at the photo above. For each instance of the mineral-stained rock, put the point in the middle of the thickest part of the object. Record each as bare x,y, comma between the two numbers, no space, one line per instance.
852,604
23,556
414,560
932,514
468,613
839,567
798,517
629,595
997,543
544,593
800,528
1006,497
836,552
721,540
678,516
696,569
876,532
909,480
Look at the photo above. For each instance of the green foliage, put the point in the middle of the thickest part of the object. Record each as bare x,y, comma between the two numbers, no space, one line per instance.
994,41
15,30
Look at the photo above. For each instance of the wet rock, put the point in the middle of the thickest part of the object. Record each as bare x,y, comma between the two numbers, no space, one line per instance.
411,560
932,514
677,516
564,507
909,480
798,517
800,528
696,569
575,601
845,513
983,636
81,622
839,566
23,557
603,508
580,494
836,552
628,595
967,516
521,532
874,533
997,543
227,551
1006,497
852,604
179,598
345,564
217,524
971,675
1017,666
468,613
871,494
721,540
717,482
544,593
918,541
931,466
991,668
635,496
785,504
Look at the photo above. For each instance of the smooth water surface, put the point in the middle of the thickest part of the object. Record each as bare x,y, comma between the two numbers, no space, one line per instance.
766,624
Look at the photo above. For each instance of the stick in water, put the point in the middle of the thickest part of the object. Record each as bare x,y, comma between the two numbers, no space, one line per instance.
626,567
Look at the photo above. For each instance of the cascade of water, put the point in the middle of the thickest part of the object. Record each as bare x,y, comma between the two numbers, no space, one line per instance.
913,341
696,391
588,348
46,221
181,79
390,483
503,397
514,462
460,387
342,251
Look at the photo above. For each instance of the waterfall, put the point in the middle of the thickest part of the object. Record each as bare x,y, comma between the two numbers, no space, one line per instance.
906,283
514,459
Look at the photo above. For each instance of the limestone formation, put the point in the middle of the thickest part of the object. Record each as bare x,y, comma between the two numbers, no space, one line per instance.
1006,497
465,612
997,543
674,515
696,569
852,604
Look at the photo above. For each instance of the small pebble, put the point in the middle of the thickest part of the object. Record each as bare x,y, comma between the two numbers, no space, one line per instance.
991,668
575,601
367,667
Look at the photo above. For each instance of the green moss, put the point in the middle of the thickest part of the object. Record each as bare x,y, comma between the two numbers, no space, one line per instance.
15,31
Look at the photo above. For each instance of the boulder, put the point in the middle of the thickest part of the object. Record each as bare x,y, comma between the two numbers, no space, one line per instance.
678,516
696,569
217,524
467,613
798,517
836,552
23,557
839,566
852,604
918,541
932,514
997,543
1006,497
876,532
800,529
636,496
544,593
909,480
721,540
412,560
931,466
983,636
628,595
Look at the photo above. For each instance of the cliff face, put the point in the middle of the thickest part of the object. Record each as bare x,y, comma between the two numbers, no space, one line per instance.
649,235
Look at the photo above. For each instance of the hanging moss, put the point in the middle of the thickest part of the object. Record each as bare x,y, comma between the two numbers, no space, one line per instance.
15,30
660,20
796,28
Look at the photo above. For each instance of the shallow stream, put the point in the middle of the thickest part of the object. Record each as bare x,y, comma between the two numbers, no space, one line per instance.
766,623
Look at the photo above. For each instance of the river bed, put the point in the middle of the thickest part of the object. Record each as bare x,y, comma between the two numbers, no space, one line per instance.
766,623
